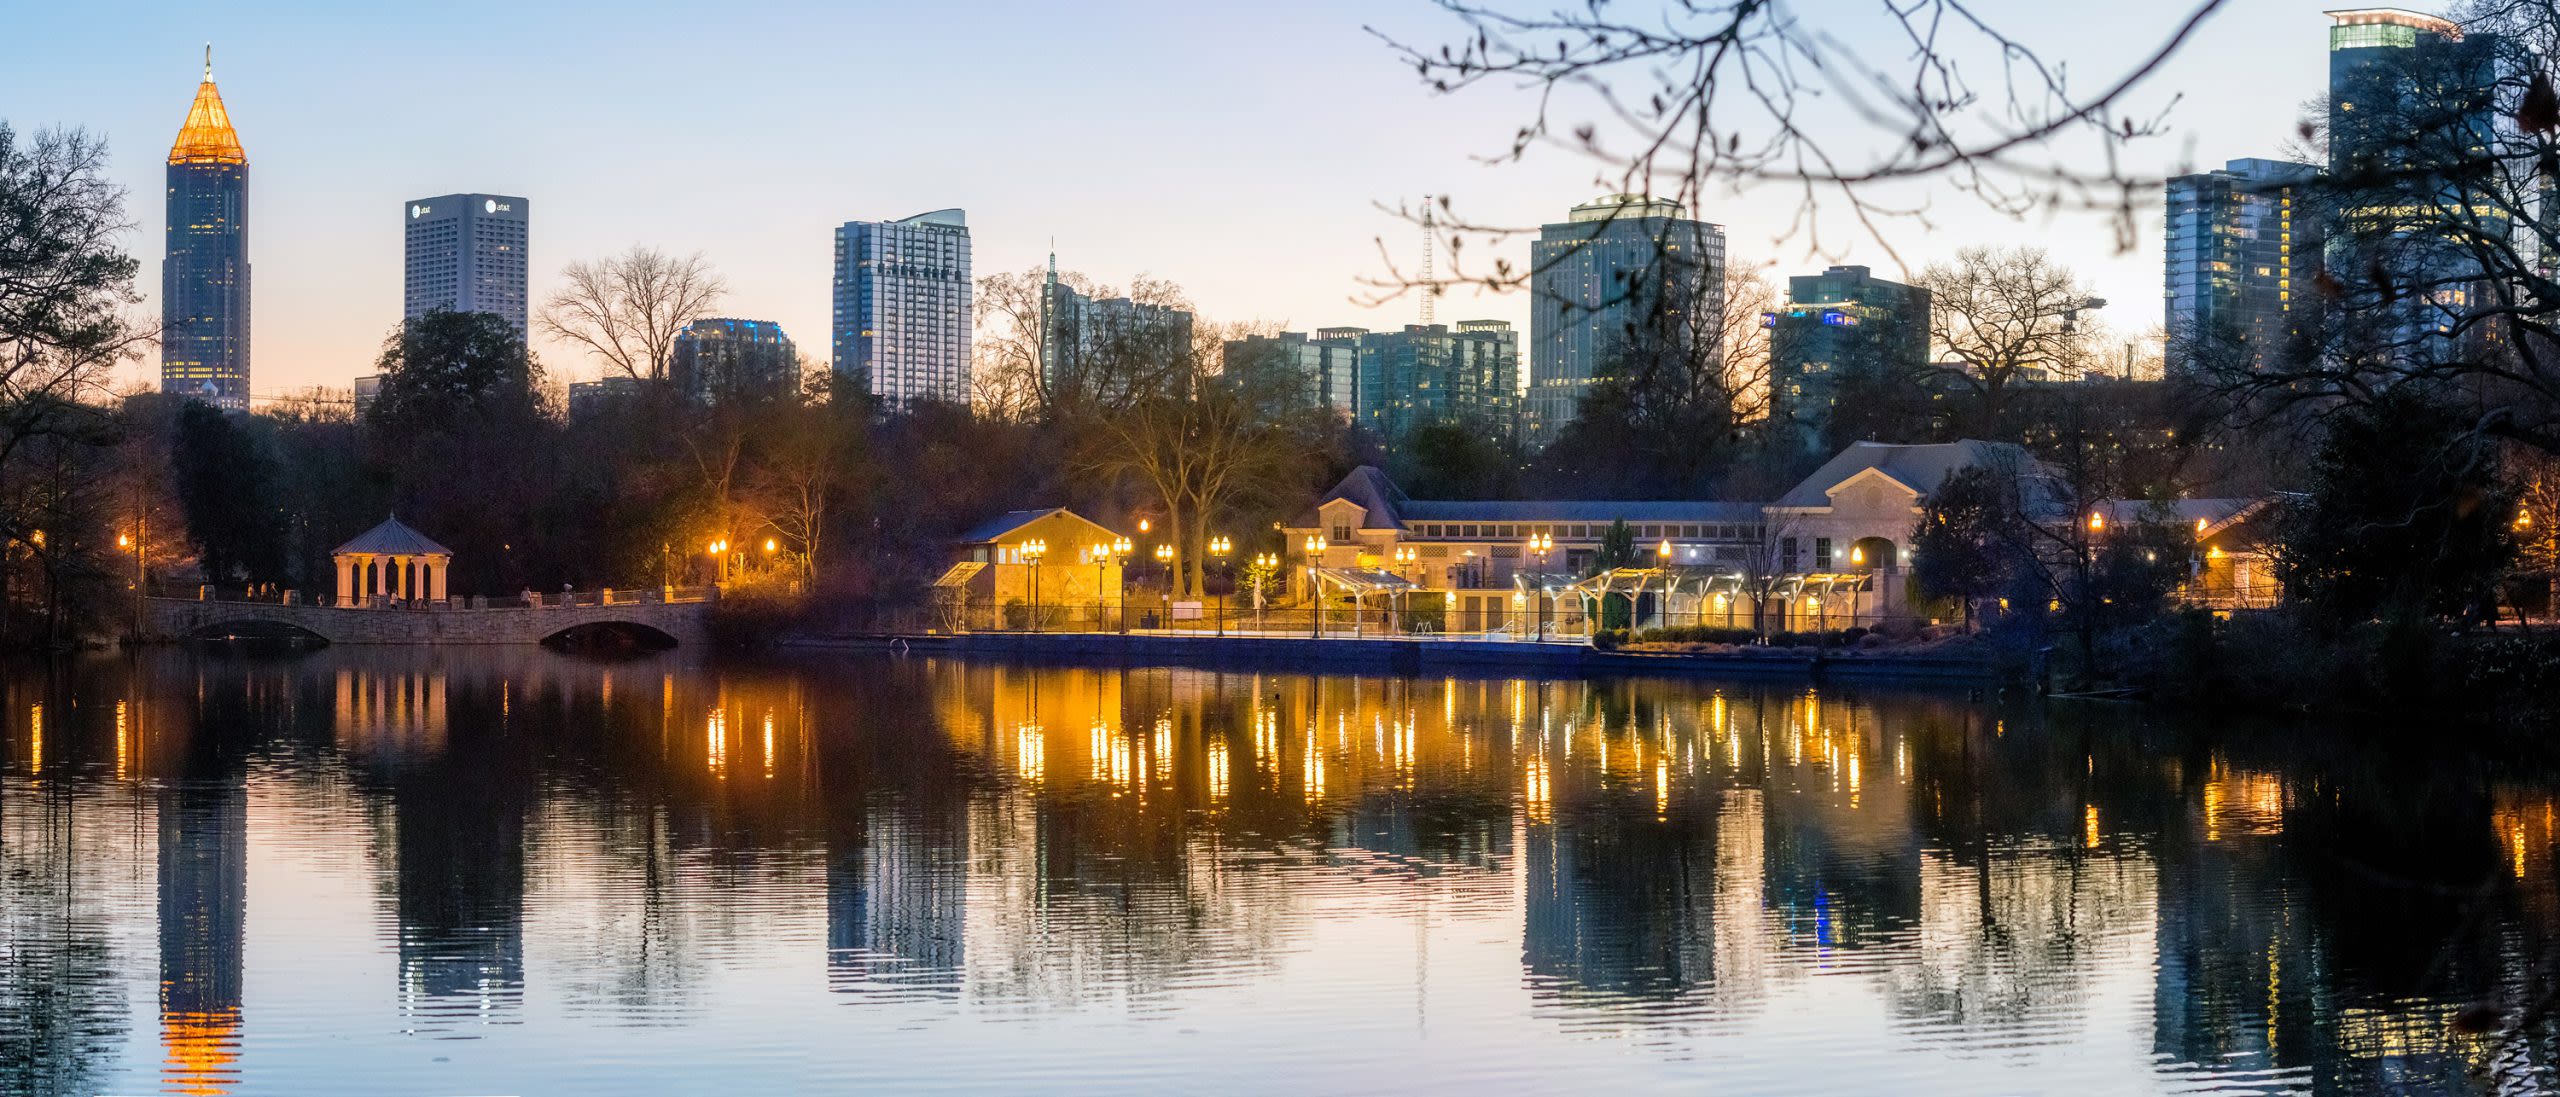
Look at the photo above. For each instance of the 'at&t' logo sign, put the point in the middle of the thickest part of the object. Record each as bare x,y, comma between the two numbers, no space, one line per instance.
416,212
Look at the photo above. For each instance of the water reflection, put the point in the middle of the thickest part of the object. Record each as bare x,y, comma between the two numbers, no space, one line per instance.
483,871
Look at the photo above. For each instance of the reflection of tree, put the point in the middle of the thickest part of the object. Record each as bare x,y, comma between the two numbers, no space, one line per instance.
62,999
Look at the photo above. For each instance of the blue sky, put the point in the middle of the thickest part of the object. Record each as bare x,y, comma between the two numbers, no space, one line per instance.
1238,149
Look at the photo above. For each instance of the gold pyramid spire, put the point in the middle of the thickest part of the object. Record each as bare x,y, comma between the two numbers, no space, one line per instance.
207,138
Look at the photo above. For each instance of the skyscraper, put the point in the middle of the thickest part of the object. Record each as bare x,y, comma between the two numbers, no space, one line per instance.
1329,361
2233,238
204,282
720,360
2412,117
1097,347
466,253
902,307
1843,334
1612,264
1429,373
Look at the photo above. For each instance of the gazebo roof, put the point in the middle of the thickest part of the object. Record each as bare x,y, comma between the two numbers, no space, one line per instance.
391,538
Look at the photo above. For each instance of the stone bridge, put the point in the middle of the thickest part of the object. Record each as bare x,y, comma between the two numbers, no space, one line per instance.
686,622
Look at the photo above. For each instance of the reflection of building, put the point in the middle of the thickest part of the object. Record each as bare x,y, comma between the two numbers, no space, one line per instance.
897,907
902,307
395,713
204,281
1619,907
718,360
466,253
204,872
1611,266
458,864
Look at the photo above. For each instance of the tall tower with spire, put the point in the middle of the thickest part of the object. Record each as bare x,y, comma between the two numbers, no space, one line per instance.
204,281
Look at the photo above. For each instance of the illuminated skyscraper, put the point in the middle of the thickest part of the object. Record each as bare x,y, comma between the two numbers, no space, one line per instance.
1612,264
466,253
902,307
204,282
722,360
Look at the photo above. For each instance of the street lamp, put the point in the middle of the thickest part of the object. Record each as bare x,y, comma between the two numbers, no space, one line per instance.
1219,547
1032,550
1164,559
1265,565
1315,594
720,548
1539,545
1405,556
1120,549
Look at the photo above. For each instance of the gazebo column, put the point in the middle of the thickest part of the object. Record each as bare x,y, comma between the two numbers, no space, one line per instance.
406,584
346,593
436,566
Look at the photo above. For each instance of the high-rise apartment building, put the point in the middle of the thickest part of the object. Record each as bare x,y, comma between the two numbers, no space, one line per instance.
1329,361
2412,112
903,307
466,253
1843,334
204,279
1612,265
1433,373
1096,348
2242,242
719,360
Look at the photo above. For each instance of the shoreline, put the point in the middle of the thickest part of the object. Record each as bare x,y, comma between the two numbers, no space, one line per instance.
1413,657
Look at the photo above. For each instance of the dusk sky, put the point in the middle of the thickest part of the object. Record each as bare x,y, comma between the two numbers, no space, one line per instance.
1240,150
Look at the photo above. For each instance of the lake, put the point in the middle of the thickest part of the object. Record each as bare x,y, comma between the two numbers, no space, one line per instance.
449,871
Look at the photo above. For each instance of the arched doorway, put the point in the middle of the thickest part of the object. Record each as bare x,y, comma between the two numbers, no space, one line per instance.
1873,554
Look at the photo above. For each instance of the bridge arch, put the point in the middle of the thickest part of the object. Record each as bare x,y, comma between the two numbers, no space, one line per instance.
255,628
610,634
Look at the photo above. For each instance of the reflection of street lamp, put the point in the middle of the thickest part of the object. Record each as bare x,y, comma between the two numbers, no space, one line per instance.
1539,545
1315,594
1219,547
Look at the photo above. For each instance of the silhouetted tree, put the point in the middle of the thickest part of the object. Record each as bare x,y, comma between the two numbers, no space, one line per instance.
226,487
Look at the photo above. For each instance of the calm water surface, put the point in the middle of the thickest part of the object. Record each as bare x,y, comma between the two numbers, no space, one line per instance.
517,872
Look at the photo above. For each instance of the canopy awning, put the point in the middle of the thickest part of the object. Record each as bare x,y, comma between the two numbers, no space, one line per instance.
959,575
1362,581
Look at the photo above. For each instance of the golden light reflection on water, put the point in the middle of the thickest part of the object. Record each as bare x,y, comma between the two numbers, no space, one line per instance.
1890,841
200,1051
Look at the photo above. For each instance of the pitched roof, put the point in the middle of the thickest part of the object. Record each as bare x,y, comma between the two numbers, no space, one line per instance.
207,136
1601,511
1380,499
1921,468
392,538
1384,506
995,529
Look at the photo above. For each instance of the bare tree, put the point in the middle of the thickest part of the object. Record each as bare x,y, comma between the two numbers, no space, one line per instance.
1705,96
1082,349
2001,315
1210,441
626,310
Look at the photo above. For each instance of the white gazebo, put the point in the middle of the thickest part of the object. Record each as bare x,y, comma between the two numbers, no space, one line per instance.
391,561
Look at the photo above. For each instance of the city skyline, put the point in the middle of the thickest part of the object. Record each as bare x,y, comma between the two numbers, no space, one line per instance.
345,131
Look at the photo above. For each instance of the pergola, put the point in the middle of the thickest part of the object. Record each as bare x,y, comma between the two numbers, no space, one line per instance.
391,561
1733,587
1359,583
